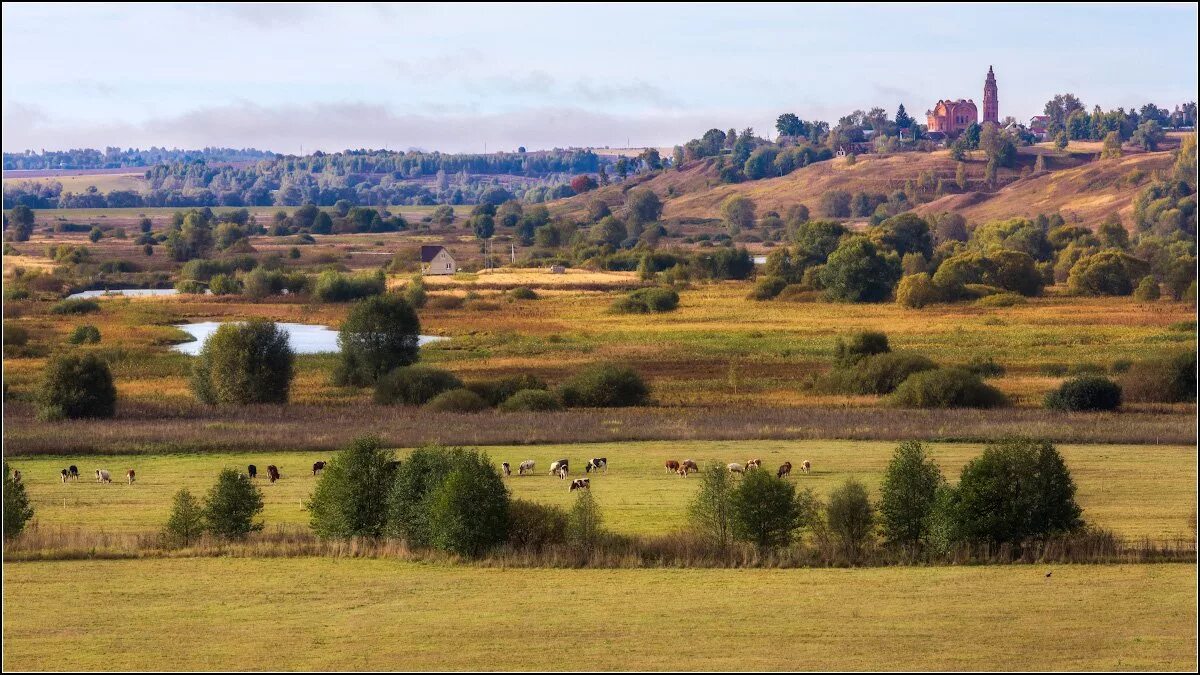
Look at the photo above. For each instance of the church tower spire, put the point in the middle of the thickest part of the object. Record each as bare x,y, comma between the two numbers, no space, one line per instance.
991,106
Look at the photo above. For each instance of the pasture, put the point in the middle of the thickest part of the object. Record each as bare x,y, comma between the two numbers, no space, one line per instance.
360,614
1137,491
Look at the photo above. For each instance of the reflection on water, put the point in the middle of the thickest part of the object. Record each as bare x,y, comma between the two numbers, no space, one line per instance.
130,292
303,338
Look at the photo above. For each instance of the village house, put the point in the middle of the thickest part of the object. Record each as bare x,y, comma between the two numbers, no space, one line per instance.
437,260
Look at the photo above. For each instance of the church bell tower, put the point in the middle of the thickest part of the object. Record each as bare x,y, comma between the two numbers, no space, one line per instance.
991,107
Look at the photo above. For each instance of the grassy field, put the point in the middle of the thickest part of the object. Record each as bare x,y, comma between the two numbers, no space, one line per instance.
1137,491
326,614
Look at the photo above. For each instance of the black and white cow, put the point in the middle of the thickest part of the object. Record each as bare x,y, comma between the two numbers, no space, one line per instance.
560,468
597,463
506,468
526,466
580,484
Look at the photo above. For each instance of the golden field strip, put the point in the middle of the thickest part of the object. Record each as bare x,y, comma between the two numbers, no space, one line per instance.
1144,491
324,614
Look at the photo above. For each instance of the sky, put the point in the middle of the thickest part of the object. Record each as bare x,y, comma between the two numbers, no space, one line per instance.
465,78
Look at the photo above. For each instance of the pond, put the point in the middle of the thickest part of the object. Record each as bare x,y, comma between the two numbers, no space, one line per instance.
130,292
303,338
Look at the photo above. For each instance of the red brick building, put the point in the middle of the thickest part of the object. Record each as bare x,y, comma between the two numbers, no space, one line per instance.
952,117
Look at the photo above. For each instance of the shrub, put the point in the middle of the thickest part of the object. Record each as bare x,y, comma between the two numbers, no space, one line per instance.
244,363
379,335
75,306
76,386
1108,272
908,492
495,392
415,293
584,523
766,511
457,400
767,288
468,511
532,526
878,374
1170,380
848,352
916,291
445,302
17,509
350,499
1015,490
190,287
531,400
710,512
224,284
1089,392
523,293
186,522
232,506
858,272
985,367
334,286
85,334
1147,290
646,301
850,518
1001,300
605,385
14,335
415,481
947,388
414,385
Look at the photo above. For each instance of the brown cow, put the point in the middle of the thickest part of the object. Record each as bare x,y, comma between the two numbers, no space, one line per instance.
752,464
688,466
16,475
806,466
318,467
129,476
672,466
784,470
273,473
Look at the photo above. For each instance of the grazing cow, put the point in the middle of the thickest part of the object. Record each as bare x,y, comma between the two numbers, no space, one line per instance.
734,467
784,470
688,466
318,467
597,463
672,466
16,475
581,484
252,471
73,472
506,468
561,467
752,464
65,474
102,476
806,466
272,473
130,475
527,465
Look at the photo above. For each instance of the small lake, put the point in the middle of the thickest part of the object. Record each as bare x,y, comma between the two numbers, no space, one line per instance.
303,338
128,292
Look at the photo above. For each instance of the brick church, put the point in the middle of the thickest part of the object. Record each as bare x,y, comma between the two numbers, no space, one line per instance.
952,117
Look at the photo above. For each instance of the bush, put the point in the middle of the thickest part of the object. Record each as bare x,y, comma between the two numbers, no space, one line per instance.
531,400
17,509
1001,300
76,386
532,526
244,363
646,301
14,335
858,272
605,386
985,367
415,294
908,493
878,374
232,506
1170,380
224,284
1147,290
350,499
947,388
1089,392
916,291
85,334
495,392
468,511
850,518
334,286
415,481
191,287
585,523
445,302
414,385
457,400
186,522
1108,272
75,306
379,335
767,511
767,288
523,293
866,343
1015,490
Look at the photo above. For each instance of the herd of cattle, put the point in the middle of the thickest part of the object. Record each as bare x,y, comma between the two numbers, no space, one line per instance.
558,468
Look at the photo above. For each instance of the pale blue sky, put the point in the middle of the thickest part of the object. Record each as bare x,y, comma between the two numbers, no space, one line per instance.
454,77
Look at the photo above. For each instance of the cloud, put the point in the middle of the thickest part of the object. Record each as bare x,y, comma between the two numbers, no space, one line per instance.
637,91
338,126
259,14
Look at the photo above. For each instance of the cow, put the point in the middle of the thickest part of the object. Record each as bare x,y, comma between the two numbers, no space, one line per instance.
252,471
561,467
784,470
102,476
65,475
597,463
273,473
318,467
506,468
16,475
734,467
130,475
806,466
527,465
73,472
580,484
688,466
752,464
672,466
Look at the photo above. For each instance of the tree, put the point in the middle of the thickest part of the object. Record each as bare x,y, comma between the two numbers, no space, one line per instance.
1112,232
857,272
416,480
468,511
350,499
1061,141
605,385
244,363
76,386
232,505
21,218
738,212
585,523
849,517
916,291
17,509
1112,146
1147,290
766,511
1108,272
380,334
908,493
484,226
710,511
1085,393
643,205
907,233
583,183
903,120
186,522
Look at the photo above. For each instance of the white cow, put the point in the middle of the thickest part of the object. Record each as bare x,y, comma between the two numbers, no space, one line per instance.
527,465
102,476
734,467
